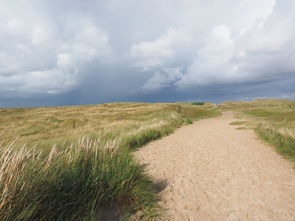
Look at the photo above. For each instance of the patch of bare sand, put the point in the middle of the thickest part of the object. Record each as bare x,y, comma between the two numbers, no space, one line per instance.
215,172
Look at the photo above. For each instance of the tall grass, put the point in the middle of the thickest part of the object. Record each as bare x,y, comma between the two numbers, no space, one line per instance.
82,177
47,126
284,143
73,184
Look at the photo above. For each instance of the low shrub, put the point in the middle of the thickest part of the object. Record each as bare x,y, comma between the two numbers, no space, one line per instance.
198,103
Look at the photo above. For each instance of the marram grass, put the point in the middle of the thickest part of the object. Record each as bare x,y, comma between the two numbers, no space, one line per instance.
75,183
284,144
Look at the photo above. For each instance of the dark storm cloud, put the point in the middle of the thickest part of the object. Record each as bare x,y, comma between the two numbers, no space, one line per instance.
81,52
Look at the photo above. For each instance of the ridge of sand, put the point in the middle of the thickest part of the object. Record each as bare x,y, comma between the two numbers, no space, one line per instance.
214,172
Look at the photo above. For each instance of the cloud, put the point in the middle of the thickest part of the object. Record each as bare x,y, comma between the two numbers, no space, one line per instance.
251,38
39,54
164,78
97,51
153,54
24,83
212,59
263,50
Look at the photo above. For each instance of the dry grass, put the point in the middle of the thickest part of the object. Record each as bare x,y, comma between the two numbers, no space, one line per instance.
55,125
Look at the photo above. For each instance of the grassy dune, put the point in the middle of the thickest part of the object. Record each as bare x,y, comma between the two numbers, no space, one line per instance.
75,163
274,121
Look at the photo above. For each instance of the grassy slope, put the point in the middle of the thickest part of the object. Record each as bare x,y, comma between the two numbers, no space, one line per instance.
274,121
77,160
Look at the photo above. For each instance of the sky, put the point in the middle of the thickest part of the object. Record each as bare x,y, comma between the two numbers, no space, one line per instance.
73,52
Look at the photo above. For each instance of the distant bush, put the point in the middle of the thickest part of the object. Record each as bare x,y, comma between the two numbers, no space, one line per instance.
198,103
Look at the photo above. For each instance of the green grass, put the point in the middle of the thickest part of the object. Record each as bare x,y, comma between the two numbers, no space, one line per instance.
274,121
237,122
77,161
283,143
74,184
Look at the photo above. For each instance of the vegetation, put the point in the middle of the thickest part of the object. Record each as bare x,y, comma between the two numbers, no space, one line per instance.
75,163
285,144
198,103
237,123
274,121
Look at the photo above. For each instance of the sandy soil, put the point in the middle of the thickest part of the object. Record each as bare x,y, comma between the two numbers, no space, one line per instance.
212,171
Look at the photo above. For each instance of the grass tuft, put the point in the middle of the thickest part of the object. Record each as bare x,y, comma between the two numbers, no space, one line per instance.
238,122
73,184
283,143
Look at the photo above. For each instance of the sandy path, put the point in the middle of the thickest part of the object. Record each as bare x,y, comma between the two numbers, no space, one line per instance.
215,172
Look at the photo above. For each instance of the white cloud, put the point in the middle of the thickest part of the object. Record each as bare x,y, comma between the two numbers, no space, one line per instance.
213,62
42,55
237,45
259,51
26,83
152,54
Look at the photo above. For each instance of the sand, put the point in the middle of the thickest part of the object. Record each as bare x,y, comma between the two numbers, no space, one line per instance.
209,170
